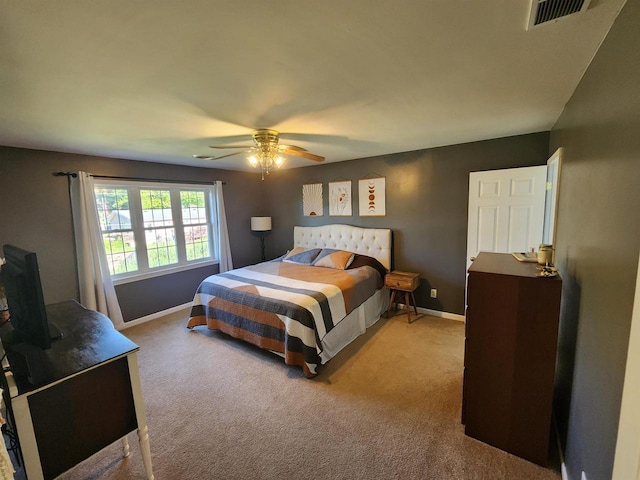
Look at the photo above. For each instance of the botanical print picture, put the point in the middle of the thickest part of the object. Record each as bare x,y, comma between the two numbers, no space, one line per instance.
340,198
371,193
312,200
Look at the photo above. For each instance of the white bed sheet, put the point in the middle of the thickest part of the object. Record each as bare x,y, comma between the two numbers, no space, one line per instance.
354,324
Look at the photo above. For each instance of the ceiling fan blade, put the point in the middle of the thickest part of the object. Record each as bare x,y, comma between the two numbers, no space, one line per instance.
313,137
226,147
266,139
207,157
231,154
307,155
282,148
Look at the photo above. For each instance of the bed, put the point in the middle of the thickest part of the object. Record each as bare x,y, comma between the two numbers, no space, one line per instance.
307,305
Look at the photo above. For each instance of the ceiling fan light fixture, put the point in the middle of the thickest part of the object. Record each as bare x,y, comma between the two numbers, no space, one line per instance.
267,157
267,152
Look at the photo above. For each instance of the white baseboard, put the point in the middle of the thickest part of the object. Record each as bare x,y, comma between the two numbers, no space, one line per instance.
155,315
177,308
437,313
563,466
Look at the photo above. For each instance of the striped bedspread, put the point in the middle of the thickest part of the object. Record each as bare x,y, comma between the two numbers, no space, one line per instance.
283,307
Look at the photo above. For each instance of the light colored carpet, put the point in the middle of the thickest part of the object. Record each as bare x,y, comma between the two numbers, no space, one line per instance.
387,407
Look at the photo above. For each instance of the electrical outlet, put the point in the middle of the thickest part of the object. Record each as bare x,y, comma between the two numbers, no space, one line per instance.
434,293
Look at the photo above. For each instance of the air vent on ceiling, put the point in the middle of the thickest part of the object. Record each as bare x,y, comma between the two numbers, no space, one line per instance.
543,11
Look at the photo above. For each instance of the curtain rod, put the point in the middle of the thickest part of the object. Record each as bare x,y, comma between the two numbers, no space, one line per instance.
138,179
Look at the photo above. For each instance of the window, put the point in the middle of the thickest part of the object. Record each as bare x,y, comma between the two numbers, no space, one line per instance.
149,228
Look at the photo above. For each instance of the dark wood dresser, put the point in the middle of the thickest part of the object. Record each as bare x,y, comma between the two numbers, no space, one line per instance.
88,395
510,355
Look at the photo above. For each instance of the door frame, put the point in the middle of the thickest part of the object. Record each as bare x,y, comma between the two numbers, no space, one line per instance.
627,457
554,170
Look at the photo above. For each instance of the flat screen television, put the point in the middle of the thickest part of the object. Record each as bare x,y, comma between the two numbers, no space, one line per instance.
21,281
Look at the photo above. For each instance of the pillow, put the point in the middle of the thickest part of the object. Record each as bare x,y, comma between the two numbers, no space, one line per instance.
330,258
301,256
293,251
362,260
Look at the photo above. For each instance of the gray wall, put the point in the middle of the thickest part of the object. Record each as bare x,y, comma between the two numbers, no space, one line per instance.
426,198
141,298
426,208
35,214
597,246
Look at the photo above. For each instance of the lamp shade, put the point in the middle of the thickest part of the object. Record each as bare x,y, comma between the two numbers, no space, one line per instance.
260,224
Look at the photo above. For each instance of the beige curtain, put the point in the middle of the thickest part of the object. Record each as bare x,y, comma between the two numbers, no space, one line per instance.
96,288
220,225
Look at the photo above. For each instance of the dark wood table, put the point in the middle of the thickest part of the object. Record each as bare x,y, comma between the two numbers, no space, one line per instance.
87,396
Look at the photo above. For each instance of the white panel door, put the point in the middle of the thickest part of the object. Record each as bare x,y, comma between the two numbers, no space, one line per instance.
506,210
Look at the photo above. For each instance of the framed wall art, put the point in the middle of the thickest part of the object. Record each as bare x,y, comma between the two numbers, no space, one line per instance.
340,198
371,195
312,200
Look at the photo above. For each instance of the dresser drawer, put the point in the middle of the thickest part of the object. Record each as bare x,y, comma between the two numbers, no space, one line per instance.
402,281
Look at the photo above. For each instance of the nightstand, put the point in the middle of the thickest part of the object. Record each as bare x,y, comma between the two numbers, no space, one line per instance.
403,282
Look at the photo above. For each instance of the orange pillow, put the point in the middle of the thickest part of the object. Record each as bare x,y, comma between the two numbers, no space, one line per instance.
330,258
301,255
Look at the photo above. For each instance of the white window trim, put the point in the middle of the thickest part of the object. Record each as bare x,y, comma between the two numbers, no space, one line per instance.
160,271
146,273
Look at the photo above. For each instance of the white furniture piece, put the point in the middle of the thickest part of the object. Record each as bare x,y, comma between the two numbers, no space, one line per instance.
6,467
88,394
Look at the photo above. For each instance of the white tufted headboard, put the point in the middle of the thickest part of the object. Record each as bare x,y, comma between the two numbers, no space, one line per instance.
374,242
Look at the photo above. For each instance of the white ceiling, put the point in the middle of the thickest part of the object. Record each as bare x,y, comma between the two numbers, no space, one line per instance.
162,80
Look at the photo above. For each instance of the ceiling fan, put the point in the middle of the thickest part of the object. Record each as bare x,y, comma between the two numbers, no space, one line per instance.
267,151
